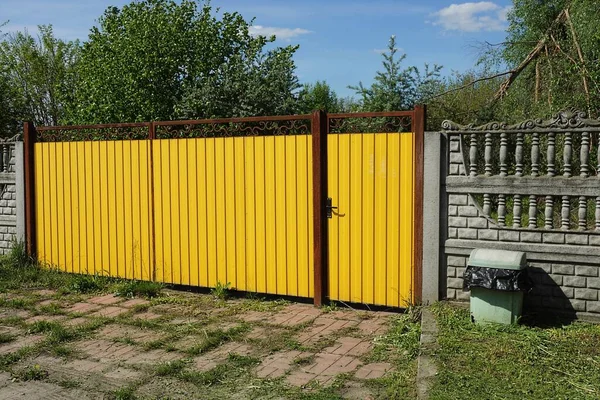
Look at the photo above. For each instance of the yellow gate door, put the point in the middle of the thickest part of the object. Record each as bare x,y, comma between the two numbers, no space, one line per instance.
371,233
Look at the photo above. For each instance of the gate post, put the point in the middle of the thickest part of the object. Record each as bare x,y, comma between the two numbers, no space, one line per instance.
29,137
319,127
419,118
151,138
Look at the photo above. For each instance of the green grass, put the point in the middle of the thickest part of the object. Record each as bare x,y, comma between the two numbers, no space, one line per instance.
88,283
217,337
136,288
170,368
6,338
400,347
221,290
514,362
20,272
126,393
32,373
233,368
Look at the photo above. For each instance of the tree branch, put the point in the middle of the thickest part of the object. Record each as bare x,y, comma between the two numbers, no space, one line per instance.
531,56
487,78
579,52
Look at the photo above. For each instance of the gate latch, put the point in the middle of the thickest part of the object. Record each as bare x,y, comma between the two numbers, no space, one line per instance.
329,208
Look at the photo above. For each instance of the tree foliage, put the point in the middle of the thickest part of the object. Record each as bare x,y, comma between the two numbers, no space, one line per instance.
463,98
566,73
397,88
161,59
37,77
317,96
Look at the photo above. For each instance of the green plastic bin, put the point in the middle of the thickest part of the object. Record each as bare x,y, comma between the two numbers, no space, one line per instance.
489,305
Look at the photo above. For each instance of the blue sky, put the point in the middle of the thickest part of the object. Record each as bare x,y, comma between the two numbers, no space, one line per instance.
340,40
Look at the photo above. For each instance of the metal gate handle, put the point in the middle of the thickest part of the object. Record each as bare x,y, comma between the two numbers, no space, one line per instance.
329,208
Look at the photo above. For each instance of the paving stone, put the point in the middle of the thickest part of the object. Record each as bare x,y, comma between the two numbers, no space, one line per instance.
184,321
47,318
35,390
277,365
85,365
76,321
134,302
106,300
342,345
347,315
224,326
373,326
136,334
343,365
373,371
256,316
323,327
295,314
153,357
10,330
110,312
92,375
12,313
259,332
105,350
148,316
19,343
322,362
204,364
83,308
299,378
223,351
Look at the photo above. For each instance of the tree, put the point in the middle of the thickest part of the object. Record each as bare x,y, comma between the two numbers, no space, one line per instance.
396,88
560,39
161,59
317,96
37,77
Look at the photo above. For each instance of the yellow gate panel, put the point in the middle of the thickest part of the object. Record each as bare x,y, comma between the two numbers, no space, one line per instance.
93,207
371,181
235,210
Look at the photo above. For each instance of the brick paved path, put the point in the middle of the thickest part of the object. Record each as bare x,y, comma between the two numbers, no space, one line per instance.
125,341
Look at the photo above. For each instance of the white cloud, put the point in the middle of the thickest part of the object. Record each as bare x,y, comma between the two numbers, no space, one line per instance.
280,33
472,17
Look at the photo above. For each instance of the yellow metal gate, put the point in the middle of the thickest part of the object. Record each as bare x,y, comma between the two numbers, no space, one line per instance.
239,201
93,207
235,210
371,181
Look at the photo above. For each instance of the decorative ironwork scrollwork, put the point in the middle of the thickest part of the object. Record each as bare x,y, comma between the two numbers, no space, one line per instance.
370,124
72,134
233,129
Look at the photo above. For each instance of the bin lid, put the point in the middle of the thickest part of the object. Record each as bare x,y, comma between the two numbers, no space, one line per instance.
493,258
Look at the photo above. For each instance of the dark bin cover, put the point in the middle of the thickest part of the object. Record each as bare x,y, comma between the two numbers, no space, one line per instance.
507,280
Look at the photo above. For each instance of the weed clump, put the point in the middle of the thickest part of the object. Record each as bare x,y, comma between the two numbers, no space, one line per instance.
135,288
221,291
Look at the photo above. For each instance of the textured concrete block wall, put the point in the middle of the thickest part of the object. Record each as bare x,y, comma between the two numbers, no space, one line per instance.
8,207
565,266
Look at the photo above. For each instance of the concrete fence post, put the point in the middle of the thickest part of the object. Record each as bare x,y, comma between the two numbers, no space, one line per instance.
20,191
431,217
